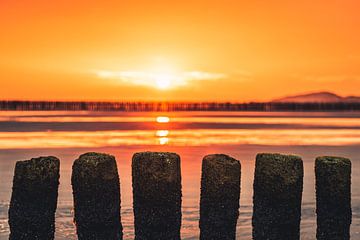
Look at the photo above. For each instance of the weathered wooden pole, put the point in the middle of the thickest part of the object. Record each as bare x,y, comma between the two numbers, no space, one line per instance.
34,199
96,190
220,195
156,180
333,197
277,197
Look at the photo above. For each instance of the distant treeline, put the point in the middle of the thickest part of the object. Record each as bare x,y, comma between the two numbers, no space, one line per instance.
172,106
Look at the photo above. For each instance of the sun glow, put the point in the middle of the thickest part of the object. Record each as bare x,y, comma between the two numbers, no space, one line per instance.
163,81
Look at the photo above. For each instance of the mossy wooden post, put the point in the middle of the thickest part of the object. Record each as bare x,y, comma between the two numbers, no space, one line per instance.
333,198
156,180
96,190
278,186
220,195
34,199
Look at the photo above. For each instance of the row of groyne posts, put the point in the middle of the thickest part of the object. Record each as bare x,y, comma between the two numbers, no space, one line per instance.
157,194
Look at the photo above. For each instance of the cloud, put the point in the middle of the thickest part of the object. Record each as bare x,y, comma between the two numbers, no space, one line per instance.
159,79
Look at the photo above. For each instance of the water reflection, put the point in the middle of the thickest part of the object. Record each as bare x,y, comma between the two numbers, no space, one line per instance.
162,119
43,136
163,136
163,140
200,137
162,133
335,121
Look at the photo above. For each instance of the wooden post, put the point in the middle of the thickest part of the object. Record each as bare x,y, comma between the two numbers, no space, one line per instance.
220,195
333,197
96,190
156,180
34,199
278,185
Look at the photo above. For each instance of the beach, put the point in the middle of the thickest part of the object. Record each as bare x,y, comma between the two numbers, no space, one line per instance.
192,135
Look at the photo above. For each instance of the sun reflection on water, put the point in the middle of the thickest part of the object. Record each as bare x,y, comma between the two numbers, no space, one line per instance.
163,140
183,137
162,133
162,119
163,136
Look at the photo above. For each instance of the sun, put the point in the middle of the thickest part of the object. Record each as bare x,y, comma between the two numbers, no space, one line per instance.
163,81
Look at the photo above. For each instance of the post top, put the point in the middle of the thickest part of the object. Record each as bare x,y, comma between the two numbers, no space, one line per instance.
37,168
94,165
278,157
150,155
94,158
220,160
333,160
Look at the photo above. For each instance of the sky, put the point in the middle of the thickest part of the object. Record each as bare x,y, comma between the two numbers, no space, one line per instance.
188,50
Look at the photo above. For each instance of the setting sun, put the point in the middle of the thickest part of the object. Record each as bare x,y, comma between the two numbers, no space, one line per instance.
163,81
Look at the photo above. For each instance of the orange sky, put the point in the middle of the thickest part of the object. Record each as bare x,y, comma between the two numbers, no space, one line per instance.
198,49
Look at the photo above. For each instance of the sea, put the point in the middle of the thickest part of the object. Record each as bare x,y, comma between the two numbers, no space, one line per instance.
242,135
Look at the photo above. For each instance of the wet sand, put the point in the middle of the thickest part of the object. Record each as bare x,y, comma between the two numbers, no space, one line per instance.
192,146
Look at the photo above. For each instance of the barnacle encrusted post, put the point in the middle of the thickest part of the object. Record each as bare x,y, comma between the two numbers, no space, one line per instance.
156,180
333,197
34,199
96,191
220,195
278,186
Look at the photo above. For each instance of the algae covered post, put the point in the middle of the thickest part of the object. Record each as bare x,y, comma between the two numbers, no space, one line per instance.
333,197
96,190
220,195
156,180
278,185
34,199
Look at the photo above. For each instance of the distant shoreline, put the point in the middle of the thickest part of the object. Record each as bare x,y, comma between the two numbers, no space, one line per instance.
176,106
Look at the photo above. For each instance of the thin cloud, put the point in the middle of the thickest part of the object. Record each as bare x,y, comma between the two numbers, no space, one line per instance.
153,79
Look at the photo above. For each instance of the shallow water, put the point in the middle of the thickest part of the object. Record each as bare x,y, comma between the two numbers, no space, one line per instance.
190,134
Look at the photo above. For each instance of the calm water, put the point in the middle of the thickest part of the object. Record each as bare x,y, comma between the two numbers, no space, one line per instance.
192,135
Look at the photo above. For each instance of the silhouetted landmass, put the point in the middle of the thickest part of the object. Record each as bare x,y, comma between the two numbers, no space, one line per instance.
174,106
318,97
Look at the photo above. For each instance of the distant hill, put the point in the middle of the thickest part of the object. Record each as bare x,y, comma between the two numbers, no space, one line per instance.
319,97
